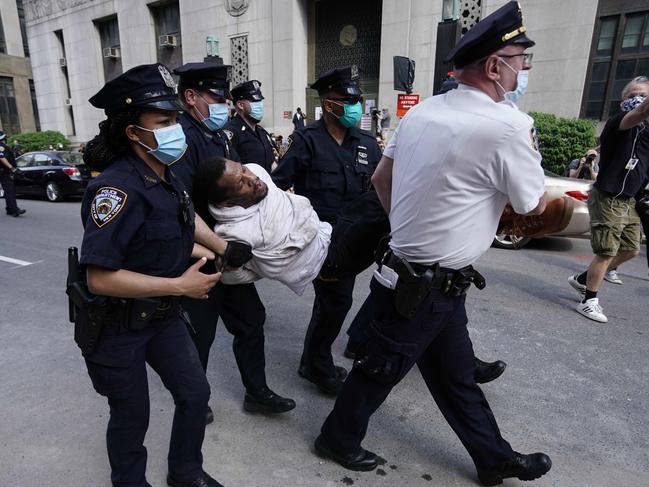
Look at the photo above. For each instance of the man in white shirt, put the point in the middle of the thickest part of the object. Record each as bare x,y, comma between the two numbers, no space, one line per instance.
449,170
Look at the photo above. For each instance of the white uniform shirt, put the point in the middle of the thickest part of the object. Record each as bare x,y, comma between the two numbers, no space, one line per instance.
458,158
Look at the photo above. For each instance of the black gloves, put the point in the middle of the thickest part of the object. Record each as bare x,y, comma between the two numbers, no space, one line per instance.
236,254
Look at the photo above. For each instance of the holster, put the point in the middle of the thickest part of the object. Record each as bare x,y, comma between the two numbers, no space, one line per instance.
412,288
90,315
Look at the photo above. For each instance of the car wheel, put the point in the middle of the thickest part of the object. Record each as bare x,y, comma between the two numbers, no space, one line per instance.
52,191
510,242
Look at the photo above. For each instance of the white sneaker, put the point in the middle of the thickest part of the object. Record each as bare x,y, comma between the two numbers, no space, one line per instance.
591,309
612,276
579,287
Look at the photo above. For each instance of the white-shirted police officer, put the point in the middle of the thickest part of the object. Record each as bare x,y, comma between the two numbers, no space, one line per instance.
445,177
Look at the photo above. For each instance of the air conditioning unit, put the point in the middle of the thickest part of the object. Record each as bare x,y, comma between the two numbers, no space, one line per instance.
111,52
68,102
63,62
167,41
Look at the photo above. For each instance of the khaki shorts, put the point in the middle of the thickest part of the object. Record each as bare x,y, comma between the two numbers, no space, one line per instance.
614,224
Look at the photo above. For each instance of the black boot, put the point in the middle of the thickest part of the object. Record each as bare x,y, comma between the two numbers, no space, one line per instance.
209,417
329,385
523,467
203,481
266,401
361,461
488,371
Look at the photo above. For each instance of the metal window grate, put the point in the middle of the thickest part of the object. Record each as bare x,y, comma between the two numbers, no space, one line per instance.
470,14
239,56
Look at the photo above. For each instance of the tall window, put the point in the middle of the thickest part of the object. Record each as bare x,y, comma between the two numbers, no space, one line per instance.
32,93
23,29
3,44
110,47
166,18
619,53
8,108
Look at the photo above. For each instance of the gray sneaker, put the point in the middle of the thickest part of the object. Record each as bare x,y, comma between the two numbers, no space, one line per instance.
612,276
579,287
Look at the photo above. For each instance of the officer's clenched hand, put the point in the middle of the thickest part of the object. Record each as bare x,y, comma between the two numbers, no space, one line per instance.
195,284
236,254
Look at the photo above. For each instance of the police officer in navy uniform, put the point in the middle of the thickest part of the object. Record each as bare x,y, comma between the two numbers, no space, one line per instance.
250,139
138,238
204,90
8,170
453,163
330,162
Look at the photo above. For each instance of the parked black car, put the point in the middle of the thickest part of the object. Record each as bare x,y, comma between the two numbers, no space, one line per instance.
54,174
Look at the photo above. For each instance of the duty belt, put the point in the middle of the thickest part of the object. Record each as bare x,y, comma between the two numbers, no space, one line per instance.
451,282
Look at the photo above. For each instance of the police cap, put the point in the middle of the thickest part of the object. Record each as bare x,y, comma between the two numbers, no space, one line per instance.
147,85
206,76
340,80
249,90
501,28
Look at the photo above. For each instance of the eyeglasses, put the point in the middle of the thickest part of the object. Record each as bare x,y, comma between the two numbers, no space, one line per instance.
527,57
351,100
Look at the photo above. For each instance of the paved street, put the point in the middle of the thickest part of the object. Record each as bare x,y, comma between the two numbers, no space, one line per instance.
574,389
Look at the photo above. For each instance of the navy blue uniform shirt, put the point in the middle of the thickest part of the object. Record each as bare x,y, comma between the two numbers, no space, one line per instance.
251,145
8,154
202,144
617,147
134,221
325,172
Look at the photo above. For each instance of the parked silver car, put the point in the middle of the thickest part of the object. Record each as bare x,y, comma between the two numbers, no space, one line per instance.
558,186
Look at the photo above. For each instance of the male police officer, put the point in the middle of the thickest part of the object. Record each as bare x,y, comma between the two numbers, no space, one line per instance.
330,162
204,91
448,171
250,139
7,171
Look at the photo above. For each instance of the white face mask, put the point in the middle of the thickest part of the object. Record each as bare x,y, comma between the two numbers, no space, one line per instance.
522,78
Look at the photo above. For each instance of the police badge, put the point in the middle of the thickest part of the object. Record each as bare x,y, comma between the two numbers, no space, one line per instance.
107,204
166,77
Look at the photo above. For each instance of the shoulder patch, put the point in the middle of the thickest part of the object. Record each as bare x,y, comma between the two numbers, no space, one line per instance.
534,139
229,134
107,204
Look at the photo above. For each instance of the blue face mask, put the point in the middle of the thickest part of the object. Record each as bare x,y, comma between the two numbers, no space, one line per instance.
171,143
218,115
351,115
257,110
522,78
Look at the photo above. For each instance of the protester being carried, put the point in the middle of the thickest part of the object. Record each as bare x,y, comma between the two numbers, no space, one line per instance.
289,242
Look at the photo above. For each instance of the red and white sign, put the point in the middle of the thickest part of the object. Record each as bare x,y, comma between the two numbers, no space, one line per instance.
406,102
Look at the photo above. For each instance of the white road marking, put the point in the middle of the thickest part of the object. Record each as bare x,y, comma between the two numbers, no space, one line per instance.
18,262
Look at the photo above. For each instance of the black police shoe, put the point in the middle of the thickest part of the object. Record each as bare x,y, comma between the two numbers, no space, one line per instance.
209,417
523,467
266,401
18,212
362,461
203,481
327,384
488,371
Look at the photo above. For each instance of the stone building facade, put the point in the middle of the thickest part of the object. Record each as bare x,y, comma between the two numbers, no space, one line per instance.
77,45
17,113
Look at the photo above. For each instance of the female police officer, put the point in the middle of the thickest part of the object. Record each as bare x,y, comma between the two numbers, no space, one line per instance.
139,233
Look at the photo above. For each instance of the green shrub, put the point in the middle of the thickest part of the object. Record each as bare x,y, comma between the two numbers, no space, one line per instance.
563,139
31,141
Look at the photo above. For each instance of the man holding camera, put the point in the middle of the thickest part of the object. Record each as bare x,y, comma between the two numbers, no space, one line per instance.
614,221
586,167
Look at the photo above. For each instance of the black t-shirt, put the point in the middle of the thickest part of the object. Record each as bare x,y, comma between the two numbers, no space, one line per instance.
617,147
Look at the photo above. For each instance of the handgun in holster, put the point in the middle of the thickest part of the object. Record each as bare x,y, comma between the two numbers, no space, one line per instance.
412,289
87,311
